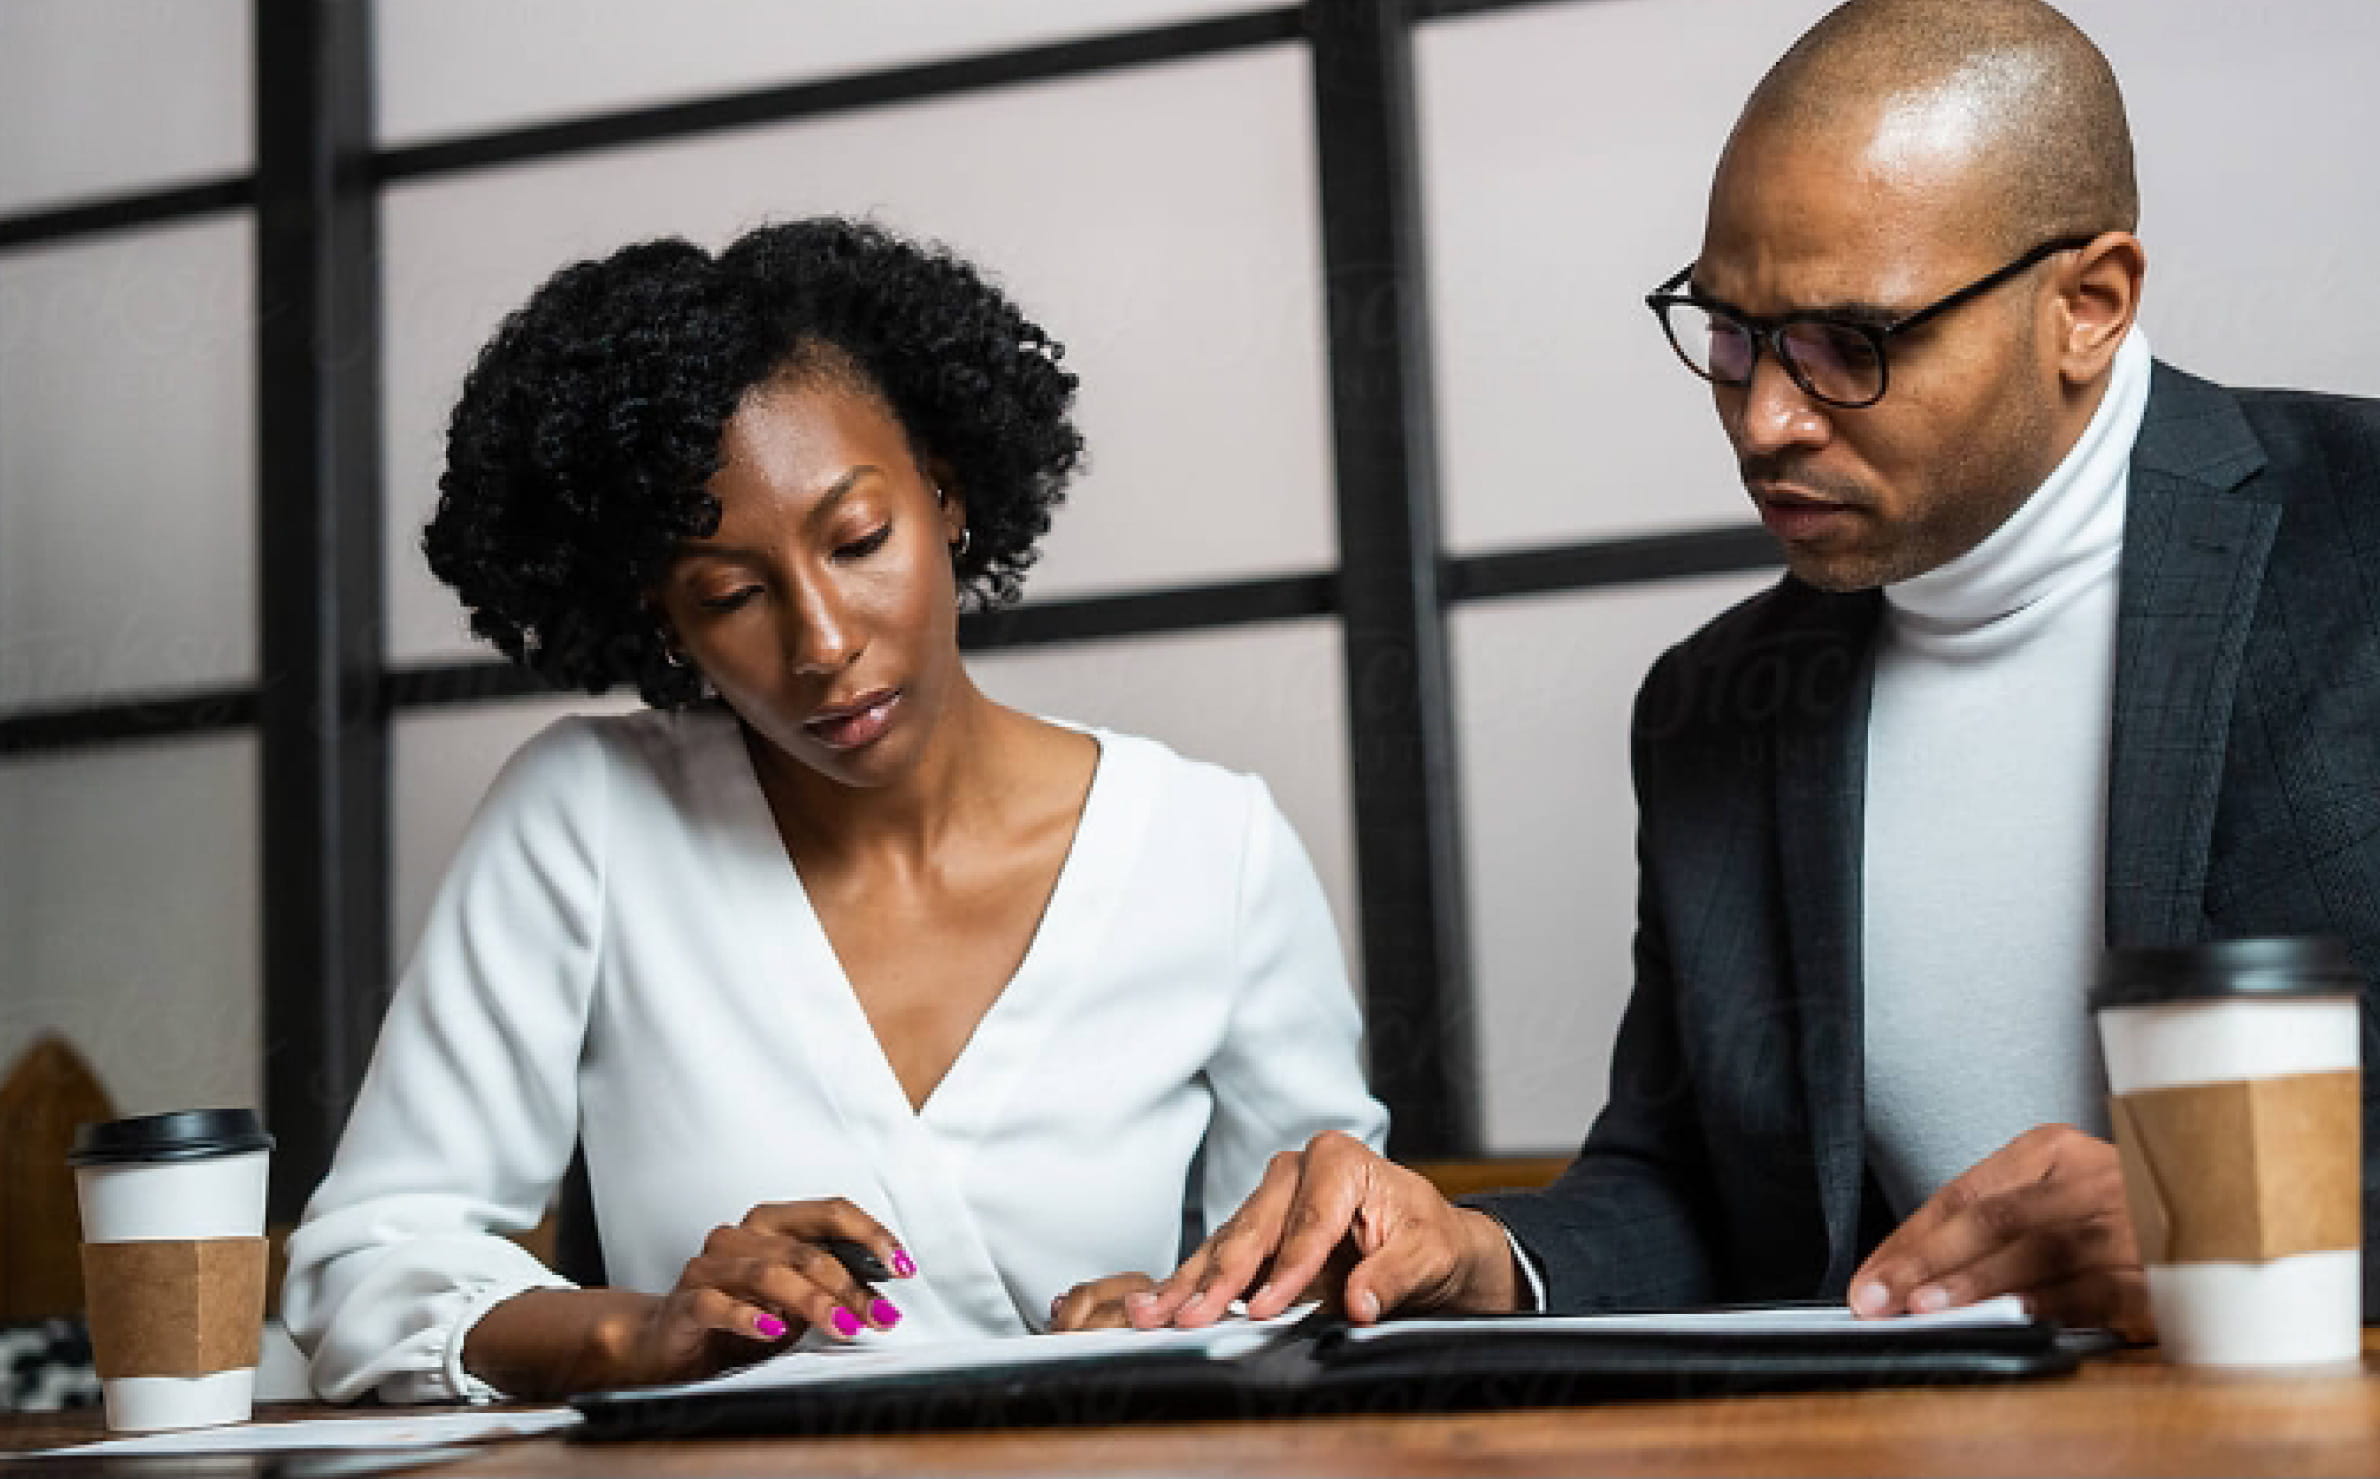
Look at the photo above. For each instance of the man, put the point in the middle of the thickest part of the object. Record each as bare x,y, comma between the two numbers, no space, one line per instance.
2075,650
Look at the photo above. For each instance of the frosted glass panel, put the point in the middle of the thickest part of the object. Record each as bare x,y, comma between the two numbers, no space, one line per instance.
1160,222
129,916
1270,701
1543,689
2253,128
1566,154
441,762
451,66
102,97
128,465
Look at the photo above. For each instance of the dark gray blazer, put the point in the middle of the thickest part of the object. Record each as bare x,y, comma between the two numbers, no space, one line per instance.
2244,799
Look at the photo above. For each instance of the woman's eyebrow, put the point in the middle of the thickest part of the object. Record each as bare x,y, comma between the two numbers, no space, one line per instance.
826,504
840,488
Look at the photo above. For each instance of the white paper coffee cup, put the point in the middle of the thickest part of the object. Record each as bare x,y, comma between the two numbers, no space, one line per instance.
173,1210
2235,1084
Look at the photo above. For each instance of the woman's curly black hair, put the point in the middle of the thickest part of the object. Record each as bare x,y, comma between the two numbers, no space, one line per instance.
579,452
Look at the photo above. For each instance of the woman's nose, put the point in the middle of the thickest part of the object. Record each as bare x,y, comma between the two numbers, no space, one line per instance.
821,635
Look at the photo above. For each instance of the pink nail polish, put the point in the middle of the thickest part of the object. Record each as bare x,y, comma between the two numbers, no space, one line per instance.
769,1326
884,1314
846,1323
903,1266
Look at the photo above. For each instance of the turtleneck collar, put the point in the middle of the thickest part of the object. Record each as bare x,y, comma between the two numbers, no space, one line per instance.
2069,533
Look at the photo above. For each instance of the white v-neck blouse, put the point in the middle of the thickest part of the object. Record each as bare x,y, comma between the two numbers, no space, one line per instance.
622,953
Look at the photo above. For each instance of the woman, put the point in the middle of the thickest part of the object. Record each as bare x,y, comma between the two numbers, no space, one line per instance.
827,944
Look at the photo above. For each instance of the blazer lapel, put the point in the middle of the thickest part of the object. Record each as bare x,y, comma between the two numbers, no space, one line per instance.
1821,770
2193,565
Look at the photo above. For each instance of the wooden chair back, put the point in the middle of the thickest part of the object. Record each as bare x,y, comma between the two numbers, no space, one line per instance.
49,1092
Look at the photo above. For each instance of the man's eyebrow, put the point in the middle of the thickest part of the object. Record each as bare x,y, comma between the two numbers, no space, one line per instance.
835,493
1873,315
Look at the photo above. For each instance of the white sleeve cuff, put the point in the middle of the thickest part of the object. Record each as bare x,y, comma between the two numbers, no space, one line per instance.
460,1383
1528,1268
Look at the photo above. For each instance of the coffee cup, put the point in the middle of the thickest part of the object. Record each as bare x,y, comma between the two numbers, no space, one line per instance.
174,1263
2235,1087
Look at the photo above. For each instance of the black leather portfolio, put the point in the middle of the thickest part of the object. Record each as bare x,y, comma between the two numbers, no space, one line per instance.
1319,1365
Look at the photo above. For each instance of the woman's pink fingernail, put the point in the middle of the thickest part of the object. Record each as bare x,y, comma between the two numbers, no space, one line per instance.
884,1314
769,1326
903,1266
846,1323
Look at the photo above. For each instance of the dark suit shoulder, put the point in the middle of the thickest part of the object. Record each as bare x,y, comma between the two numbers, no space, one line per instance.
2318,446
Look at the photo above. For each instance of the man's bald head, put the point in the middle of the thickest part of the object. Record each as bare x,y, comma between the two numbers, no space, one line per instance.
2003,96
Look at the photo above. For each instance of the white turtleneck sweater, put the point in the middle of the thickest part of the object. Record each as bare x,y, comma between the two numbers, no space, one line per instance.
1986,821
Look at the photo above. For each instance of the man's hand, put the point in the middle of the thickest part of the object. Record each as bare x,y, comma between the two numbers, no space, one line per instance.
2043,1216
1335,1221
1099,1304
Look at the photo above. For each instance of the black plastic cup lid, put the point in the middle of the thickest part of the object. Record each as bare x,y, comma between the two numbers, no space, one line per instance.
183,1135
2268,969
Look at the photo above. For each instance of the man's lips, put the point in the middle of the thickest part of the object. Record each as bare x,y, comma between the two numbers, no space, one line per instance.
1795,514
849,725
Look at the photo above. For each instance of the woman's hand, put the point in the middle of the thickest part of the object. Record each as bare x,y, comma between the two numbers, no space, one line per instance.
1098,1305
753,1287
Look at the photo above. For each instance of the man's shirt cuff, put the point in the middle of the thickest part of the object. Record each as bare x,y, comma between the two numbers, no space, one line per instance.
1528,1268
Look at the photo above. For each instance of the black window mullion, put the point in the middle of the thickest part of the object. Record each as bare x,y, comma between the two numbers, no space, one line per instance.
1414,926
323,732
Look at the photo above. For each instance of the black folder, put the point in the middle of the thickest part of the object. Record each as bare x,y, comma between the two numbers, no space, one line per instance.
1318,1366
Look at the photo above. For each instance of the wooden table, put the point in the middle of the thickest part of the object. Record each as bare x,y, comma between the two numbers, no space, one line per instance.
2124,1414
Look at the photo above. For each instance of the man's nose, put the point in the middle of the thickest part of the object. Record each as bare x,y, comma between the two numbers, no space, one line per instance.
1776,413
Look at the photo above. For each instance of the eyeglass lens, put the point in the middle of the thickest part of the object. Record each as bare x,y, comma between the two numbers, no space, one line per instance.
1834,362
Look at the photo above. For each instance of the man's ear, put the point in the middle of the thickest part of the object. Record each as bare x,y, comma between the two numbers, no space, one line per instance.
2098,298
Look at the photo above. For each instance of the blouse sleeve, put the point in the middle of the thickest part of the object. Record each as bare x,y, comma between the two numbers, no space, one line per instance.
469,1112
1291,1063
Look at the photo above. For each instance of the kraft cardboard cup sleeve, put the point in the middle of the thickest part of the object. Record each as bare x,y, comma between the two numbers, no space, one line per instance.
174,1263
2235,1087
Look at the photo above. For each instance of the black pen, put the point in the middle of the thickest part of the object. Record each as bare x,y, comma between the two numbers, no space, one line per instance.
858,1260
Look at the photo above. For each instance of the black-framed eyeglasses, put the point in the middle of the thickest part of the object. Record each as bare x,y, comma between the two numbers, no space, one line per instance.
1834,359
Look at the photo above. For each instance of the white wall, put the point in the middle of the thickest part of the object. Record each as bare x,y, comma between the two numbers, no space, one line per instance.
459,66
128,464
105,97
128,917
128,873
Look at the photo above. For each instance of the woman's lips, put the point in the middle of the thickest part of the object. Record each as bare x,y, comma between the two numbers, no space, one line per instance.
849,726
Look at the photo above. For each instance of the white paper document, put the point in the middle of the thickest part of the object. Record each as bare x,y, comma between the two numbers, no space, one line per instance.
415,1430
2006,1310
1219,1342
